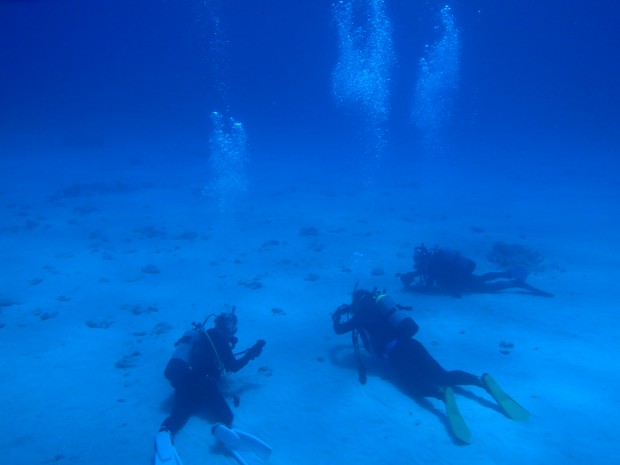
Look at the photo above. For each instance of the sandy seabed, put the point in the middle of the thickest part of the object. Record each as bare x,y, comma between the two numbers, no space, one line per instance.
103,271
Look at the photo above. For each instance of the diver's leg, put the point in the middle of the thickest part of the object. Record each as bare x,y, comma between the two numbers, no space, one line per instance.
494,275
425,377
216,403
430,369
497,286
532,289
181,411
459,378
415,366
512,284
404,360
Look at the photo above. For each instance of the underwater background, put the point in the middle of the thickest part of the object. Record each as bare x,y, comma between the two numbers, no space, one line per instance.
526,77
162,159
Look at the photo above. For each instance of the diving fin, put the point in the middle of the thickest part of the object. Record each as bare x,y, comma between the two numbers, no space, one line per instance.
247,449
165,453
533,290
509,406
455,420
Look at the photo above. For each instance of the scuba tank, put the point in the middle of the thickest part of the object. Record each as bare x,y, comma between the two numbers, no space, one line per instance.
178,366
380,304
396,315
183,347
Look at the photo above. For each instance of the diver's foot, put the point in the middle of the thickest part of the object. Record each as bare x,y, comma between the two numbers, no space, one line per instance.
455,420
507,404
216,426
164,450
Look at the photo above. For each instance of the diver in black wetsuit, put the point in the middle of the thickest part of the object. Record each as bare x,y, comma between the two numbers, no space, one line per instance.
387,330
451,272
195,370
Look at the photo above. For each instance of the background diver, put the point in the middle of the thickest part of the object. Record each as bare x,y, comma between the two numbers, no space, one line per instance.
451,272
387,330
195,371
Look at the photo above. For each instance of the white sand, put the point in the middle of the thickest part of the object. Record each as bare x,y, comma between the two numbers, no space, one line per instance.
79,259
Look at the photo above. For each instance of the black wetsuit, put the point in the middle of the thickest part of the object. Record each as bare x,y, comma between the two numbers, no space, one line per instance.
452,272
196,385
414,367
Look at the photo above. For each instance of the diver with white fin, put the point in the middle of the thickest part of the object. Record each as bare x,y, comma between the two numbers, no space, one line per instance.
387,330
247,449
198,366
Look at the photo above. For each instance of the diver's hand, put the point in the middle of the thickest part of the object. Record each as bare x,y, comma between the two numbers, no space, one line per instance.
339,312
256,349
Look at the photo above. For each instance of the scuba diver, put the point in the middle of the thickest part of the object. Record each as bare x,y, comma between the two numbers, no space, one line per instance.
201,359
387,330
451,272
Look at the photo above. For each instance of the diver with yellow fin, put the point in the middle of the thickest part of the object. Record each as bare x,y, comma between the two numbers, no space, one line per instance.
198,366
387,330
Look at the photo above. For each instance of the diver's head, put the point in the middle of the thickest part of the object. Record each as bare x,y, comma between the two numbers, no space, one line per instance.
362,299
227,322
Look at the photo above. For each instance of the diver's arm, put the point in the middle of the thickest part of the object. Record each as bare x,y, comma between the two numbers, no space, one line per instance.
233,364
339,326
225,353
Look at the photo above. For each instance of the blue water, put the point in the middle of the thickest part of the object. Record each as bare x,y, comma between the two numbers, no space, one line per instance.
501,115
530,74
